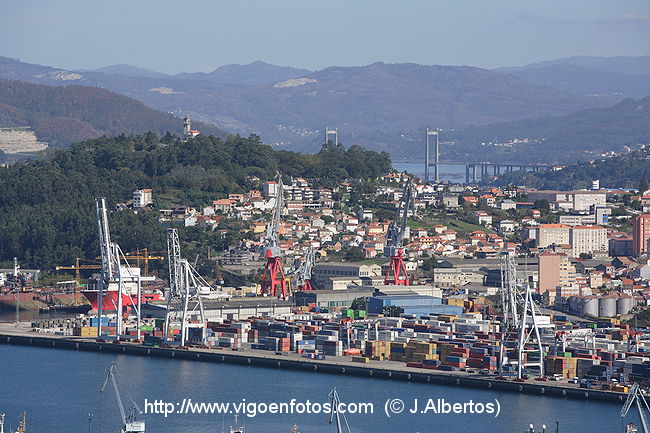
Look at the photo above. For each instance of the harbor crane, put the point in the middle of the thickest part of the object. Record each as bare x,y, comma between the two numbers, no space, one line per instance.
273,281
520,318
92,264
115,271
186,290
304,272
635,396
130,424
396,273
336,413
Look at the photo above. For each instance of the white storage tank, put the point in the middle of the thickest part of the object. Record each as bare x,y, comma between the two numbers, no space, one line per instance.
624,304
607,306
590,306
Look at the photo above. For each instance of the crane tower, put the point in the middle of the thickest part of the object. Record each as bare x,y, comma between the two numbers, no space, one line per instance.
305,269
274,282
184,302
115,274
396,273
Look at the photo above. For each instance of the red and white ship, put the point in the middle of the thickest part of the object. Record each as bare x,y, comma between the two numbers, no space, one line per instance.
148,292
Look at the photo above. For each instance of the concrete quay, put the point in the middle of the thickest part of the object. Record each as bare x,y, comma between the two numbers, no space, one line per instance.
332,365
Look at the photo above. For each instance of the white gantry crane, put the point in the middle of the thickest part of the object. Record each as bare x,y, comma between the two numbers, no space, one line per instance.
520,316
336,413
304,272
186,288
396,273
636,396
115,275
130,424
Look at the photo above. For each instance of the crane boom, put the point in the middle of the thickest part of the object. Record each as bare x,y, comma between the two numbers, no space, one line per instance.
396,273
305,270
335,413
273,229
110,375
273,281
635,396
395,235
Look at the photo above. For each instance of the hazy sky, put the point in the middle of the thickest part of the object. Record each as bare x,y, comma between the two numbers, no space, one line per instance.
198,35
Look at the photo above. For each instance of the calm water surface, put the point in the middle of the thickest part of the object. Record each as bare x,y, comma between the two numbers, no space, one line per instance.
448,172
58,389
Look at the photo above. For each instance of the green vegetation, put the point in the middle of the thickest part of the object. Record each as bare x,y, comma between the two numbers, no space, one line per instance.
559,140
641,319
47,210
360,304
624,171
392,311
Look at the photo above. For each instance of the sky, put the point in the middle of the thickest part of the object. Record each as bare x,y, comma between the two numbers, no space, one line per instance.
174,36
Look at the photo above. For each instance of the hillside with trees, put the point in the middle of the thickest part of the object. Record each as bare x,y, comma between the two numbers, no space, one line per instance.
624,171
61,115
584,135
380,106
47,206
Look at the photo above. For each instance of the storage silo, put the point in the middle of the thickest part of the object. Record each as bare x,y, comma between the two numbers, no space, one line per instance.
607,306
575,304
624,304
590,306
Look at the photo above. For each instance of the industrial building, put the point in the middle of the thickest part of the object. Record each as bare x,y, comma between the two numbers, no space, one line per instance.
412,304
330,298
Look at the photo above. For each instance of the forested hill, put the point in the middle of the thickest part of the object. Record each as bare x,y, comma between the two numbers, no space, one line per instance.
625,171
580,136
60,115
47,206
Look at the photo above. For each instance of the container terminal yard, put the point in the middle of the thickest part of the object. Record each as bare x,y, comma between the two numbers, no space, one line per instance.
505,336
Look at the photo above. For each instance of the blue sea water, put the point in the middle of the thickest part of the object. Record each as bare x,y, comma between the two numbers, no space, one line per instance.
58,389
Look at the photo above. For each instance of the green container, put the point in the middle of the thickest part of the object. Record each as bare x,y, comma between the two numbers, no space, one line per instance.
360,313
146,328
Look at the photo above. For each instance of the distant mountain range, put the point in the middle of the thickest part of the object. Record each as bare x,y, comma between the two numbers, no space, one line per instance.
639,65
613,78
373,105
127,70
247,75
380,106
66,114
579,136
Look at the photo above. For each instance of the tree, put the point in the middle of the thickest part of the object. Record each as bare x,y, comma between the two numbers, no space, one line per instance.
392,311
643,186
543,206
429,264
354,254
359,304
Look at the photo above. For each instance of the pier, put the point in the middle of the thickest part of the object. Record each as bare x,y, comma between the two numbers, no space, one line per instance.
332,365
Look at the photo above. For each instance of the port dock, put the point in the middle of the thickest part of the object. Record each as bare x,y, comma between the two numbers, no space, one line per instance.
331,365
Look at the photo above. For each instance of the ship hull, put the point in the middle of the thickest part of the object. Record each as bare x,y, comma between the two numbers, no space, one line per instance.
110,298
25,301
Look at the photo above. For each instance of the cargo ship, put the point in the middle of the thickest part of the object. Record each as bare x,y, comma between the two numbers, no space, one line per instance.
43,300
151,290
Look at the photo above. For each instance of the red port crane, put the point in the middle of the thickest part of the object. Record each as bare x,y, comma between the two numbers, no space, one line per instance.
396,273
273,282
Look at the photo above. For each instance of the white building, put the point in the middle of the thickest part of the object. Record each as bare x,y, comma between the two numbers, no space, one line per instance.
588,239
270,188
142,198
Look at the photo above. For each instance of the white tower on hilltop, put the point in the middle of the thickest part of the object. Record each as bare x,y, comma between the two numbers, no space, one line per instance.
188,132
187,127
